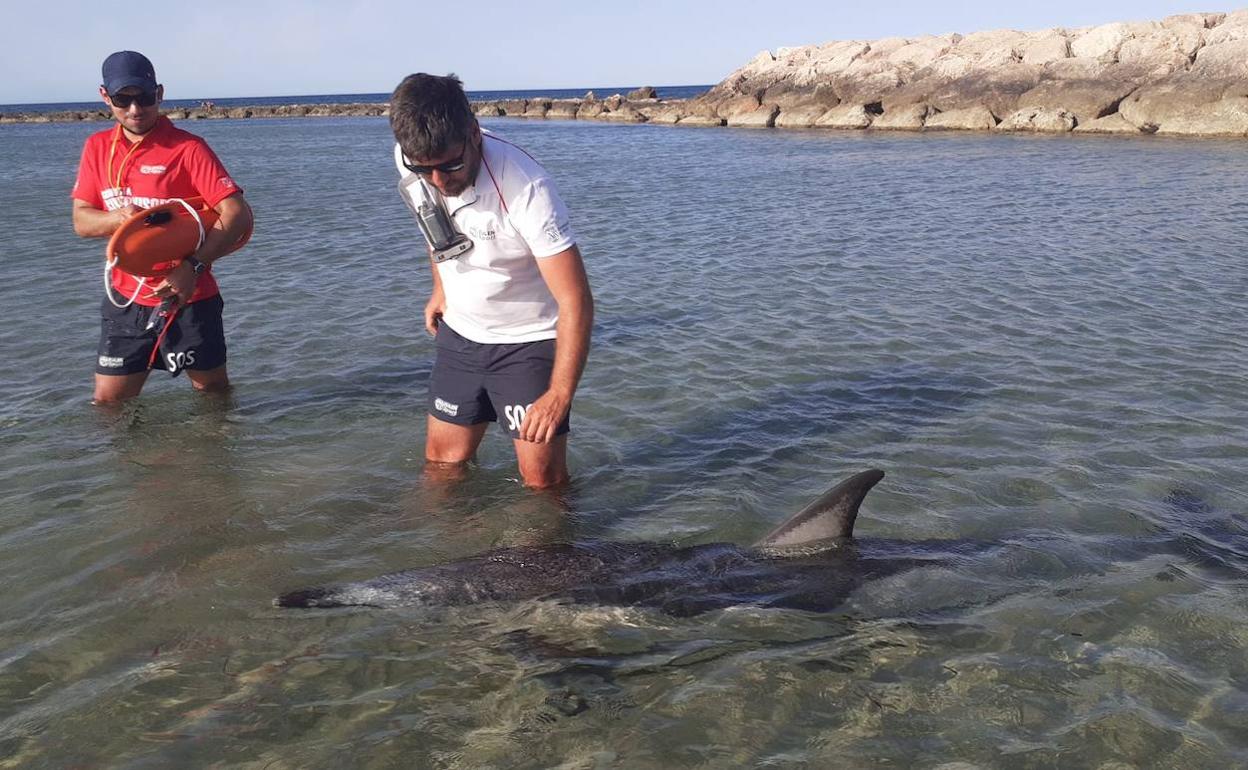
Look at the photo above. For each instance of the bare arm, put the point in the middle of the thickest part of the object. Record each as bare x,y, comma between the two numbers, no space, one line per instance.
436,305
90,222
564,274
235,218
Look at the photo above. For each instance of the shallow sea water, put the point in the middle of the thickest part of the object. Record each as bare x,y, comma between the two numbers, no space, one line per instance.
1042,340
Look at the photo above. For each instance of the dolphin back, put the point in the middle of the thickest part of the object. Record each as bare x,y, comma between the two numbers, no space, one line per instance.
831,516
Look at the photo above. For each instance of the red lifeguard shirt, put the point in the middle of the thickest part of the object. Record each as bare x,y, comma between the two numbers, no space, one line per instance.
166,163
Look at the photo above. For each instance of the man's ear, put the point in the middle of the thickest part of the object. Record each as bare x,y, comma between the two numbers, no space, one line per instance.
104,96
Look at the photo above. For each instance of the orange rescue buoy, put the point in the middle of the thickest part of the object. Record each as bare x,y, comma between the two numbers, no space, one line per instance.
154,241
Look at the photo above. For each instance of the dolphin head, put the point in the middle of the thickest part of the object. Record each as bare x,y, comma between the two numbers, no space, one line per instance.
346,595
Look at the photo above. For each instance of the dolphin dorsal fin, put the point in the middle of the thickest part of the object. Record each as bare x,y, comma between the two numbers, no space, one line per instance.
832,515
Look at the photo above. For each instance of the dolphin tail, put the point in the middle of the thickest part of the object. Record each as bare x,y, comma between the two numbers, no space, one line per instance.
830,516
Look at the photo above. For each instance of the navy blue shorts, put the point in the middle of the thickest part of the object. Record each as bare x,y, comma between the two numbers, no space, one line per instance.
474,383
196,340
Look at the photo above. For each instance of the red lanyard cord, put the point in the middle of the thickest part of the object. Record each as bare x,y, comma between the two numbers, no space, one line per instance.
121,170
170,311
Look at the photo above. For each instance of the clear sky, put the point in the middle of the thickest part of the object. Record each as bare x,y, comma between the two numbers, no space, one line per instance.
221,48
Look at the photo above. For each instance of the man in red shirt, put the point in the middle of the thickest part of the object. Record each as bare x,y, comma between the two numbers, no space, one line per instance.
138,163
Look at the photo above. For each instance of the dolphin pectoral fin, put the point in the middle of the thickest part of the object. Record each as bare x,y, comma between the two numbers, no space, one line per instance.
832,515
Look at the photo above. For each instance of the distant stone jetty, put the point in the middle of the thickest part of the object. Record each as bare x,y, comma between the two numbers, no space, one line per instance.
1185,75
206,113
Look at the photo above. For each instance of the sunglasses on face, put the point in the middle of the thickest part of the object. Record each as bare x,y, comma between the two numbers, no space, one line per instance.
123,101
449,167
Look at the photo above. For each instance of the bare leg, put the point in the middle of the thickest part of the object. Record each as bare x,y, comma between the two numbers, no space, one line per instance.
543,466
115,388
449,447
209,380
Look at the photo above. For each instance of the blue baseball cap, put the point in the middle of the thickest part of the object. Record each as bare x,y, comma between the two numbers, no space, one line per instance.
126,69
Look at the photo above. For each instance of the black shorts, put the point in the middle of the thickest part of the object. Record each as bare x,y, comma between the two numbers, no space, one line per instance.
474,383
196,339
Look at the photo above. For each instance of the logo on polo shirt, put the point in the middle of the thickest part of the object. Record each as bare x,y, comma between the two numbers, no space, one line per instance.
556,231
145,169
482,233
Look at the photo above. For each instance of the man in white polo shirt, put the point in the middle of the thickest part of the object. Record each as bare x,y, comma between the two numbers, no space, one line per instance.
512,315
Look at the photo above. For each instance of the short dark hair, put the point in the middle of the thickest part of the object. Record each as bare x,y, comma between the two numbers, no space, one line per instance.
429,115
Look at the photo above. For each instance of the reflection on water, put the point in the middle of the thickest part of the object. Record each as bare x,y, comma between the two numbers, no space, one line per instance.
1041,340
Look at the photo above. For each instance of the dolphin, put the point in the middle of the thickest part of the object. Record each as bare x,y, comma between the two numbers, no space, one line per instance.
809,562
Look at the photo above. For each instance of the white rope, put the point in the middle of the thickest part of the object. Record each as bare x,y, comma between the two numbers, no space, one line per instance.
108,285
194,215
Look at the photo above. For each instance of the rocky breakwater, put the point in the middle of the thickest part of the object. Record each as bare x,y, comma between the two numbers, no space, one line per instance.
641,105
1183,75
208,113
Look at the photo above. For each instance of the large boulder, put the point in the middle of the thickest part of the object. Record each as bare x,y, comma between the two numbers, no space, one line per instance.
787,94
832,59
1231,27
625,113
1086,100
1189,105
1164,50
513,107
701,120
921,52
910,117
1045,47
1042,120
977,118
666,113
997,89
846,116
737,105
1104,41
800,107
1222,61
565,109
801,116
537,108
869,80
762,117
1110,124
590,108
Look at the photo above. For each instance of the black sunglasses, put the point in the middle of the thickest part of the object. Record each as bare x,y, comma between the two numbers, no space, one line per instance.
449,167
123,101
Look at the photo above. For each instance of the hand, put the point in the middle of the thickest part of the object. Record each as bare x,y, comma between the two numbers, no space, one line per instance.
434,309
543,417
180,281
122,214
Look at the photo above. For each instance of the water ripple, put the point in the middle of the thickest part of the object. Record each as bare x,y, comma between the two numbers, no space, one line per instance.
1043,341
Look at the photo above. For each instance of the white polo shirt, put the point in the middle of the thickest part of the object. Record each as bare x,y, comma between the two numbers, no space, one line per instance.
514,216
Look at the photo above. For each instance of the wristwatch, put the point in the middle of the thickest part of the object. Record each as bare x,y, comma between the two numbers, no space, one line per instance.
197,267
